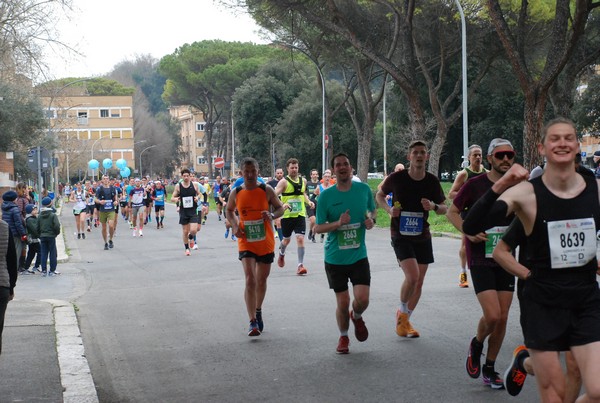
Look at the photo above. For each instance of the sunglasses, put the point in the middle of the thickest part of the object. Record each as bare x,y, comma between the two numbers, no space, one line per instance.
501,154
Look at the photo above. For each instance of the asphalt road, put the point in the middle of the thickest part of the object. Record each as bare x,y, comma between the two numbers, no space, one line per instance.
162,327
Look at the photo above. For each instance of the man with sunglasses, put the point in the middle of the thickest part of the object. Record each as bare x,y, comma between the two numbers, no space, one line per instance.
494,286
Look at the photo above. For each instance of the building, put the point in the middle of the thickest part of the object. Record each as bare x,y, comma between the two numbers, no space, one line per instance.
7,171
90,127
193,145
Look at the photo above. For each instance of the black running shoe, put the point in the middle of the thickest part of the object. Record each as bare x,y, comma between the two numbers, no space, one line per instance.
474,358
259,320
492,379
515,375
111,244
106,246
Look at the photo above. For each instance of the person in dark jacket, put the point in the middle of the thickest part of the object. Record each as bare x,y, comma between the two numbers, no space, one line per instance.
12,215
8,271
33,240
48,228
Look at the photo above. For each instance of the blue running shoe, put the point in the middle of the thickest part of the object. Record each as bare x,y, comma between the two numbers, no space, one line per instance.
227,233
233,238
259,320
253,331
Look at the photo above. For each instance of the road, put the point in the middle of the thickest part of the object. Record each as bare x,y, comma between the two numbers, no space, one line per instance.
162,327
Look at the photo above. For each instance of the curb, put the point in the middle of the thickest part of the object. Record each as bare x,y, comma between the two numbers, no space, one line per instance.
75,374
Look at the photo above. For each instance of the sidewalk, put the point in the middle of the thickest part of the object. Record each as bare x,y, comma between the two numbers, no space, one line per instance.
43,357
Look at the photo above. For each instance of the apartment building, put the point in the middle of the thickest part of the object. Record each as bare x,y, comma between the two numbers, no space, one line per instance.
90,127
193,145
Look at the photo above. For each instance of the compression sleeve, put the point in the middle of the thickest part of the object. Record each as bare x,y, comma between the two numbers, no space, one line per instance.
205,196
485,213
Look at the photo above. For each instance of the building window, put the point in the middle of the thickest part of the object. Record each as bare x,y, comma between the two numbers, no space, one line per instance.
82,118
201,160
200,144
115,114
103,113
200,126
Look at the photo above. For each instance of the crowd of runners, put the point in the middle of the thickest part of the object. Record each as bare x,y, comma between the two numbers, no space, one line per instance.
553,219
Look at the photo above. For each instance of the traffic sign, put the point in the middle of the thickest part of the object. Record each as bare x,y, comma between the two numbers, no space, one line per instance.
32,159
219,162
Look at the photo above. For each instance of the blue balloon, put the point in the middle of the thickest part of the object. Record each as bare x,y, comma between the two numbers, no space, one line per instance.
107,163
121,163
125,172
93,164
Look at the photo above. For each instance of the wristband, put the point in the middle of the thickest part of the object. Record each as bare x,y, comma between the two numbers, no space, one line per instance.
435,207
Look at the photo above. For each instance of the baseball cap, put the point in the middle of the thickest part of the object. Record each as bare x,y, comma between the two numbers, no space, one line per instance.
497,142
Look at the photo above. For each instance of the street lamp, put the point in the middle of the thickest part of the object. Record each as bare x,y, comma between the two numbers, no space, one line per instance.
147,148
323,160
465,114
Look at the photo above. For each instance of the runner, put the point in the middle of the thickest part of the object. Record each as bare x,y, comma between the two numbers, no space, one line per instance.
494,287
310,189
202,209
292,190
90,192
137,206
345,211
560,213
273,183
256,243
216,196
106,198
326,182
224,197
123,200
158,195
416,192
79,209
185,195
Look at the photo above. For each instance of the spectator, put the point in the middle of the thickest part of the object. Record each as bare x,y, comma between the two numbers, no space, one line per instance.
12,215
8,272
48,228
33,240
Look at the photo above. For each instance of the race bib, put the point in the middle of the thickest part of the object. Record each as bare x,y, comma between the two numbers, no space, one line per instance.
187,201
572,242
411,223
295,205
349,236
160,198
255,230
493,237
108,205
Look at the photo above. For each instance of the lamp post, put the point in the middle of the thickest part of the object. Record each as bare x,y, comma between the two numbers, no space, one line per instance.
324,135
147,148
465,114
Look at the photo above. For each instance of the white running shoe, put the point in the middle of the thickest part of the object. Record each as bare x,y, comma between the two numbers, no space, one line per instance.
134,232
141,234
195,247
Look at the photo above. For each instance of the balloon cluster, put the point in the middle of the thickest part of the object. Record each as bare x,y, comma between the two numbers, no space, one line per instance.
107,164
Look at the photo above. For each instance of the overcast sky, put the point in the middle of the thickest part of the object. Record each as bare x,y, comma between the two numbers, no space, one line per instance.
110,31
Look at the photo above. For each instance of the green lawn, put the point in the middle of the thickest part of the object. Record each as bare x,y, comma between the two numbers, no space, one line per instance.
438,223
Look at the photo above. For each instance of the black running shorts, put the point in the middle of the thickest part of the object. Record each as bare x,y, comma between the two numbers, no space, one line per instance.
421,250
359,273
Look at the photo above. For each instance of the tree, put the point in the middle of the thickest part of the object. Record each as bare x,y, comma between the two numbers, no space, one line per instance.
587,108
539,56
21,118
205,75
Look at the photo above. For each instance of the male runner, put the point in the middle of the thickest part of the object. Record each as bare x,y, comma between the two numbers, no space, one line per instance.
326,182
216,196
292,190
256,243
560,213
416,192
78,196
90,190
273,183
345,211
158,195
106,198
474,169
494,287
137,197
185,195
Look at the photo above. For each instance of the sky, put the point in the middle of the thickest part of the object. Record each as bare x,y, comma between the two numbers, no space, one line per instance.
108,32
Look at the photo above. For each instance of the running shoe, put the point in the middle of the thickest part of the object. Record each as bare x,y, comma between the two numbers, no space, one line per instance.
401,324
195,247
342,347
192,244
134,231
493,380
141,233
515,375
233,238
322,237
219,218
187,252
51,274
474,358
227,233
253,330
83,235
463,282
56,272
106,246
89,229
161,225
44,273
360,329
259,320
111,244
281,260
78,236
411,332
157,225
301,270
